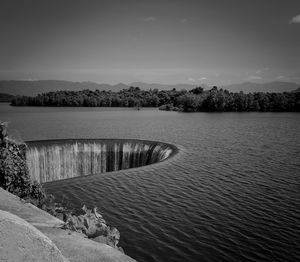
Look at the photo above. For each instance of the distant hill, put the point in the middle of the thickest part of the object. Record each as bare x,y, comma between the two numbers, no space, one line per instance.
271,87
5,97
296,90
32,88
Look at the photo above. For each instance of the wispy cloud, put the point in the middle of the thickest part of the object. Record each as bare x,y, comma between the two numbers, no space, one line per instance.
28,79
150,19
254,78
295,20
261,71
184,20
191,79
280,77
202,78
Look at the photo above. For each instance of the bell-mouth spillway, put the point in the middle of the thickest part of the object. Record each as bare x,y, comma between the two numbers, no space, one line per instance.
52,160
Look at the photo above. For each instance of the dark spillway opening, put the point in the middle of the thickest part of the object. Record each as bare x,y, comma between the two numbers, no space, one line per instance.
51,160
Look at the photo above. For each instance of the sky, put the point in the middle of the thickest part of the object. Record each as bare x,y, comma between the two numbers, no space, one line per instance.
179,41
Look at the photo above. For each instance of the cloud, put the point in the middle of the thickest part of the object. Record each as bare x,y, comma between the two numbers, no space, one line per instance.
28,79
190,79
149,19
254,77
295,20
184,20
261,71
280,77
202,78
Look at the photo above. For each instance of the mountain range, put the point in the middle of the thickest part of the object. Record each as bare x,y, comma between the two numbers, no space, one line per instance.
271,87
31,88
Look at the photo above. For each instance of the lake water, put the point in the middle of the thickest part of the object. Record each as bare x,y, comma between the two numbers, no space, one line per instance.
231,194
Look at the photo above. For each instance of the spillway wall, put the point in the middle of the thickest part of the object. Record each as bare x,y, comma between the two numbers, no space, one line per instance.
61,159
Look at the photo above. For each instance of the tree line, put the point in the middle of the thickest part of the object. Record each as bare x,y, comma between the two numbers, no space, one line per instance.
195,100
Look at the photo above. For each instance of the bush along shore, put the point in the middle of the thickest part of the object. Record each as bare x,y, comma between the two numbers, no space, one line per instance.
195,100
14,178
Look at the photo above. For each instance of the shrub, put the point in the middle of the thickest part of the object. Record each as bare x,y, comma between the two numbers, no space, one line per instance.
14,175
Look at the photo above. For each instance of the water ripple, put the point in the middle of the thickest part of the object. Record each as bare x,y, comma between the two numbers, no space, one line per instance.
232,194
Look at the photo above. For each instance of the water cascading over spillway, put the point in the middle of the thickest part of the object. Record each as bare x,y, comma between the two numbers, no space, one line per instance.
52,160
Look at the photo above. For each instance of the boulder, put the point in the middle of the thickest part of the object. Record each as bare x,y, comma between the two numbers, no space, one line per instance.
20,241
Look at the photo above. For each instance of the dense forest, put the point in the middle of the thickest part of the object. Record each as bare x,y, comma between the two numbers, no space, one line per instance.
195,100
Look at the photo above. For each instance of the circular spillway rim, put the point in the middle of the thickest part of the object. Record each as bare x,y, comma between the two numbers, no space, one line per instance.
175,149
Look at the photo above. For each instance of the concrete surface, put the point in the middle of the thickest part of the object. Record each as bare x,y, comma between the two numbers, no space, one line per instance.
22,242
73,246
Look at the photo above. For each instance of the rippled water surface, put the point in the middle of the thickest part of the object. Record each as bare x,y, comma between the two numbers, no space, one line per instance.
231,194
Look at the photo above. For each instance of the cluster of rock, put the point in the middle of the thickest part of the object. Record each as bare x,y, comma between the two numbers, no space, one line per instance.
92,224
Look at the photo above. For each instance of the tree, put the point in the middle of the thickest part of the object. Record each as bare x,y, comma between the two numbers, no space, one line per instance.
197,90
